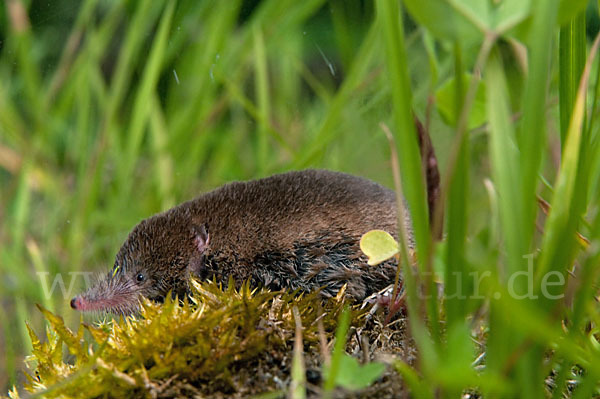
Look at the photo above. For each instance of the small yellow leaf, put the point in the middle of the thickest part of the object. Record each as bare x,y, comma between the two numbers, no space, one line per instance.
379,246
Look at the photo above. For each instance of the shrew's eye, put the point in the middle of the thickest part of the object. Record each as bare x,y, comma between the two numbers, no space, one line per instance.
140,277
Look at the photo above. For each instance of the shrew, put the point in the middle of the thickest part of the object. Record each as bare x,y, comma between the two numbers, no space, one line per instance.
292,230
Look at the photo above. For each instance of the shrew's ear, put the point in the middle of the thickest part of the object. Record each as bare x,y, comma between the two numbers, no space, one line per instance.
202,238
197,266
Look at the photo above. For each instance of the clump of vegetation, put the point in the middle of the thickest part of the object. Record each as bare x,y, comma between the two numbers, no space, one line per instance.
216,340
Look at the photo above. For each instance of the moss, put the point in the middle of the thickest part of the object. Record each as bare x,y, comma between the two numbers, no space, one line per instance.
183,347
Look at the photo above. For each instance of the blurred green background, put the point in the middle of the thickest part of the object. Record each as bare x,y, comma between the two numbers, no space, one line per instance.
111,111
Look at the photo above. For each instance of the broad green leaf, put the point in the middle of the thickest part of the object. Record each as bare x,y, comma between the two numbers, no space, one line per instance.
523,30
446,98
442,20
379,246
468,20
510,13
353,376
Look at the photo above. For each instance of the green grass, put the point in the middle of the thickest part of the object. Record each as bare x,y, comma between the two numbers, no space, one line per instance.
128,108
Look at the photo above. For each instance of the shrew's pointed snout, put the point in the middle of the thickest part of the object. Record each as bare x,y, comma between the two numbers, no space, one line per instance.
108,296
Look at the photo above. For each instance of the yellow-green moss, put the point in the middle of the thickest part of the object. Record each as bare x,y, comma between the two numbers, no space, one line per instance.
198,339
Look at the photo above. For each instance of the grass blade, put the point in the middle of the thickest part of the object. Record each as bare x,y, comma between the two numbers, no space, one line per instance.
390,20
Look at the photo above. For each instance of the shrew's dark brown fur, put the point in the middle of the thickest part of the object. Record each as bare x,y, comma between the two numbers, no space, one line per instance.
293,230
